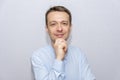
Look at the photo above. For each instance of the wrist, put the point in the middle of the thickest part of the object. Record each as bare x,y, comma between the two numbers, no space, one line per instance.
59,58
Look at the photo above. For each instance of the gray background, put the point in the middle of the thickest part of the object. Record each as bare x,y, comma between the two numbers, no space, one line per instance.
96,30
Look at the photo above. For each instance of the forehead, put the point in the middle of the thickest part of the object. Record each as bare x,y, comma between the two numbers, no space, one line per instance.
58,16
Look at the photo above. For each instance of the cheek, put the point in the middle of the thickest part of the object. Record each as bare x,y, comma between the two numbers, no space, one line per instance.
67,30
51,31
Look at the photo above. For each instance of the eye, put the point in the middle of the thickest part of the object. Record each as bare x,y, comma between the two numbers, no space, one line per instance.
65,23
52,24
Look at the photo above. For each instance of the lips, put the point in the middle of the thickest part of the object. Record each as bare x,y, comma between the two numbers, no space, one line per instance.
59,35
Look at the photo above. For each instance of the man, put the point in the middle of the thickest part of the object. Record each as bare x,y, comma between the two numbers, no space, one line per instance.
60,61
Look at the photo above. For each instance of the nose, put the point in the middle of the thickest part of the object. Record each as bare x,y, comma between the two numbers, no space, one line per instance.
59,28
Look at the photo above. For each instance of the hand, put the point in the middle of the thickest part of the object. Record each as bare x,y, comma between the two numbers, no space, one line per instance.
60,47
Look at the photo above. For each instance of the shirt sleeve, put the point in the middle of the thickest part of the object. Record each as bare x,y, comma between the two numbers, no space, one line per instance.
86,70
41,72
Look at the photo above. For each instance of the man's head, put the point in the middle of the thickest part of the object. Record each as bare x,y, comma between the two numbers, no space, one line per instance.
58,22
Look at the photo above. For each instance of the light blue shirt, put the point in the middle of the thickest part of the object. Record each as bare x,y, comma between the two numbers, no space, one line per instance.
73,67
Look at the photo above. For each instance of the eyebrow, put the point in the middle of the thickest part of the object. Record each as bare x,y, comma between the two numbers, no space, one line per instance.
52,21
64,21
61,21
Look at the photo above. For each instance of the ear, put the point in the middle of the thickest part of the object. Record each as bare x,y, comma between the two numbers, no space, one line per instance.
46,29
70,27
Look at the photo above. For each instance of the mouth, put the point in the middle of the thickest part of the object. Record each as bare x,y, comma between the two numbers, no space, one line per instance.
59,35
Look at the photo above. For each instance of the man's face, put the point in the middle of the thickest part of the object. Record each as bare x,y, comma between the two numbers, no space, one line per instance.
58,25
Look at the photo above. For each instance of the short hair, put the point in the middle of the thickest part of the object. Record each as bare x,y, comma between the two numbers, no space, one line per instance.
60,9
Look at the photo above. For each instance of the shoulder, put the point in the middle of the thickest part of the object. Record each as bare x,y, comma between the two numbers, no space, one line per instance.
76,51
41,52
